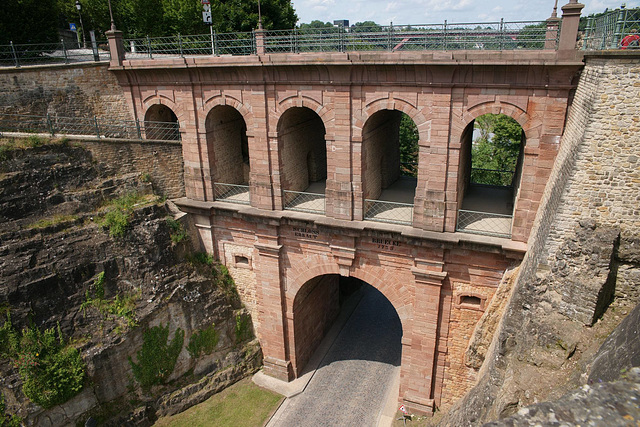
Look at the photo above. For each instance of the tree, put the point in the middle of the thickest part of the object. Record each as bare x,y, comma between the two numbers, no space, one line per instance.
408,140
496,149
317,24
29,21
157,18
365,27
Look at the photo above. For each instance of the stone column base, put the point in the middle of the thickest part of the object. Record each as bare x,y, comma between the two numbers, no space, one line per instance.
418,405
280,369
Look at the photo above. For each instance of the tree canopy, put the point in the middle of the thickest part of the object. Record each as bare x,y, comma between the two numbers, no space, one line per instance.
38,21
496,147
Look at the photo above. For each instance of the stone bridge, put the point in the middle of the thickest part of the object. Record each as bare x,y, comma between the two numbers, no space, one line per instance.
292,179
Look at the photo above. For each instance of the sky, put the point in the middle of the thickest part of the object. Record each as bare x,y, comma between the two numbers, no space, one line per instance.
415,12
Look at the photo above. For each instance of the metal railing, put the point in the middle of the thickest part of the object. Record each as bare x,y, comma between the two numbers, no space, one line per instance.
304,202
232,193
502,178
93,127
499,35
17,55
607,30
391,212
485,223
202,44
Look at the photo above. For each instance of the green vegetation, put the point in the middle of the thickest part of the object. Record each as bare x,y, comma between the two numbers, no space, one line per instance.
178,233
157,358
51,370
244,404
408,139
199,259
49,222
120,211
496,149
203,341
121,307
243,327
7,420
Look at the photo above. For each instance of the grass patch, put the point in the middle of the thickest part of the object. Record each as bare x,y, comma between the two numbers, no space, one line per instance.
49,222
120,211
244,404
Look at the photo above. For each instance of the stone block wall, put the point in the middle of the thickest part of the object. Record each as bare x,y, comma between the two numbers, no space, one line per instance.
161,161
78,90
595,185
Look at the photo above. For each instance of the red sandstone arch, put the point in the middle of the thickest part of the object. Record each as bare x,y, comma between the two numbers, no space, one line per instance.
227,100
392,104
384,281
163,100
326,114
497,107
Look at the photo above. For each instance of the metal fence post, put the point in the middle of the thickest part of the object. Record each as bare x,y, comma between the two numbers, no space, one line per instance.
587,33
501,33
343,36
95,120
444,36
15,55
213,46
180,46
617,35
389,37
64,50
50,125
138,128
149,47
215,43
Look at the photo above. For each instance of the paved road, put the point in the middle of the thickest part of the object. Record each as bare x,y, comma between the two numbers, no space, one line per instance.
350,386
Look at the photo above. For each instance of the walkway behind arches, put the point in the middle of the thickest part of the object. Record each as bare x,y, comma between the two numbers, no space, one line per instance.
353,377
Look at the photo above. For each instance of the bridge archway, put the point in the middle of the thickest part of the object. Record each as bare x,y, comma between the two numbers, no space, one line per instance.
228,149
490,171
161,123
303,159
389,166
316,306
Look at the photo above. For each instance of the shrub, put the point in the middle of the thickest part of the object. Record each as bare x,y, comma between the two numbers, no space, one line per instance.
157,358
121,307
178,233
119,213
51,371
203,341
243,327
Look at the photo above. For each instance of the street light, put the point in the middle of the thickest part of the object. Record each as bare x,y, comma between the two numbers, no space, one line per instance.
84,38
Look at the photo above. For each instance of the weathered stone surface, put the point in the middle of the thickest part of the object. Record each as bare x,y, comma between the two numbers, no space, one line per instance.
46,271
620,351
609,404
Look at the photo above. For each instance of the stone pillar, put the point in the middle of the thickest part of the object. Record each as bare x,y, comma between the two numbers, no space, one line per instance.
418,395
116,47
270,298
570,20
259,35
551,37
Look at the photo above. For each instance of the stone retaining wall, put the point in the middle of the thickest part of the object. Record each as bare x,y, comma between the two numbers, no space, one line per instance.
78,90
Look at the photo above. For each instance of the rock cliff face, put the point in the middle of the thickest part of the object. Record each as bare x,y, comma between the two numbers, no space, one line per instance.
60,265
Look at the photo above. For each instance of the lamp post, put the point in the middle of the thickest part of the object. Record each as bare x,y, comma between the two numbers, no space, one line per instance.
84,38
113,24
259,16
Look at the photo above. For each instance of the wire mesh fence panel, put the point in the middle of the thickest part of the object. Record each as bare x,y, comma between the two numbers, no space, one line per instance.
232,193
503,178
18,55
304,202
391,212
164,131
235,44
90,126
279,41
485,223
609,29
